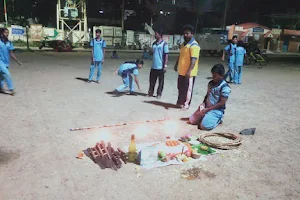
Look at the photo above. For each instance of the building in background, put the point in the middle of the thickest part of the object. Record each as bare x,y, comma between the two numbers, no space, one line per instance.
275,40
290,41
160,13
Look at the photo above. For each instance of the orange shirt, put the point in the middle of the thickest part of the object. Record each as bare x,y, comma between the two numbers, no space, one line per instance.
190,50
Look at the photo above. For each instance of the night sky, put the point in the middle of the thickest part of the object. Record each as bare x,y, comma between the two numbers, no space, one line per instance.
211,12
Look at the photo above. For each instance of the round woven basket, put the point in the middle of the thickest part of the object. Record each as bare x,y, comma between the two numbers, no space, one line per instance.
236,141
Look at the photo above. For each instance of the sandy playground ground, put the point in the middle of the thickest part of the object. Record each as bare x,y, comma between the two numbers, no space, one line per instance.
37,150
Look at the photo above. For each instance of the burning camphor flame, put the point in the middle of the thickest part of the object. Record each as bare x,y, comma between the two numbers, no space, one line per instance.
104,135
142,130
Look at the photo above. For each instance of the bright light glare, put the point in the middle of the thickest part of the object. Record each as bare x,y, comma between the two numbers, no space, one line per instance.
161,12
101,11
142,130
98,136
170,128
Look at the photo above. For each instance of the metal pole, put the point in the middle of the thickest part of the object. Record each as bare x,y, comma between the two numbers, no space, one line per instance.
123,28
85,28
5,12
13,6
196,27
197,21
57,16
123,14
225,14
27,41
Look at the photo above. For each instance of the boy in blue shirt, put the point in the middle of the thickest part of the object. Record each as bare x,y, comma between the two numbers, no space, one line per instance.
160,52
6,50
126,71
211,111
146,54
230,49
98,52
239,62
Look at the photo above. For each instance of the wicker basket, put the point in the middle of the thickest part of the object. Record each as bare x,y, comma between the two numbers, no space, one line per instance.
236,140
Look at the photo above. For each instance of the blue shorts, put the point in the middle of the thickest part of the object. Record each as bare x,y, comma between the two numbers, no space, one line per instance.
212,119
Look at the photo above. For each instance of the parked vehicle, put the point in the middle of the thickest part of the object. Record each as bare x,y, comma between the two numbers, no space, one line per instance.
57,45
212,41
254,54
177,45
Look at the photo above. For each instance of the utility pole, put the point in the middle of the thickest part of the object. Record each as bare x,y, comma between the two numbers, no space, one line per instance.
123,28
123,14
198,13
5,12
13,6
225,14
27,40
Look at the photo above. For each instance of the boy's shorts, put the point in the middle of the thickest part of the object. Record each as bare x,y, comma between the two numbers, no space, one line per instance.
212,119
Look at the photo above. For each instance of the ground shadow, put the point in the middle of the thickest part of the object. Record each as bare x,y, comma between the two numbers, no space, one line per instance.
118,94
162,104
139,94
114,94
82,79
5,93
7,156
185,119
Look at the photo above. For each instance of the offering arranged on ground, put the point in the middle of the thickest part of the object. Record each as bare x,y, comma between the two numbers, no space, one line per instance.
156,154
173,152
172,143
106,156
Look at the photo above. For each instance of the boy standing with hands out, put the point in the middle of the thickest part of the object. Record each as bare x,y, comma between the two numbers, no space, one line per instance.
187,67
98,52
160,51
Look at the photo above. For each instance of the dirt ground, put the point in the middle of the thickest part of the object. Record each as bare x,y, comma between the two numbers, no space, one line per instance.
37,150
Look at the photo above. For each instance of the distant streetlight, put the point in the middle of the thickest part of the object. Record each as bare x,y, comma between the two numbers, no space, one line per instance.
161,12
101,11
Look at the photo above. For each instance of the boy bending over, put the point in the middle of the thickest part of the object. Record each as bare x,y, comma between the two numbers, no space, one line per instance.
210,113
129,71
